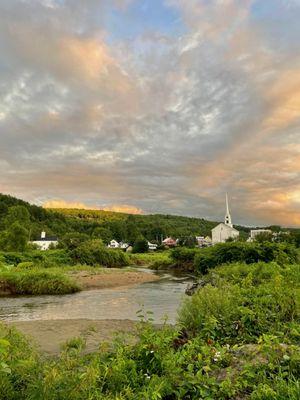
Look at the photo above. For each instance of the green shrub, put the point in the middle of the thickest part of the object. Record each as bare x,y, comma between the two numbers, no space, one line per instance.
25,265
248,253
183,257
93,252
246,302
140,246
37,282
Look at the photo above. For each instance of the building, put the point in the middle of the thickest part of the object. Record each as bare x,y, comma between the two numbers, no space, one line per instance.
123,245
170,242
44,242
224,231
256,232
113,244
152,246
203,241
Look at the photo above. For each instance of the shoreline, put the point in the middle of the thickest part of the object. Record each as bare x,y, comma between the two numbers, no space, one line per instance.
50,335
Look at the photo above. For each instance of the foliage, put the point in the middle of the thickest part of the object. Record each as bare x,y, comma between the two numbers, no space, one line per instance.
58,257
72,240
188,241
93,252
18,214
140,246
15,238
223,253
36,282
183,257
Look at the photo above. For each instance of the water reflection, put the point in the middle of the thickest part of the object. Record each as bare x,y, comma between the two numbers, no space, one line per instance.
162,297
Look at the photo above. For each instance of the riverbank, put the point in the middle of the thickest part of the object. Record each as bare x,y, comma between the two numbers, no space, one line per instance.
50,335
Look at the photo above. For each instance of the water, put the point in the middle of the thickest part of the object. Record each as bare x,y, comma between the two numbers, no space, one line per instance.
162,297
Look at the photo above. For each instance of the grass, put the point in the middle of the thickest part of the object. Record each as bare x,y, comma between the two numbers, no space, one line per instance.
36,282
155,260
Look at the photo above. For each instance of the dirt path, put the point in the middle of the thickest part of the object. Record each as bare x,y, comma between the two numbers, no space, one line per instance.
50,335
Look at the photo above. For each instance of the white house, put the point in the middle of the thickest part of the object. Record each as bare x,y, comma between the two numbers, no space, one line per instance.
44,243
152,246
123,245
113,244
224,231
256,232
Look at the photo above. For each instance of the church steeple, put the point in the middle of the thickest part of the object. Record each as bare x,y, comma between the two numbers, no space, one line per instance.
227,215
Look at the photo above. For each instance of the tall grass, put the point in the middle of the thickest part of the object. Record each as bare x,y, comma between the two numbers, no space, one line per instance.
36,282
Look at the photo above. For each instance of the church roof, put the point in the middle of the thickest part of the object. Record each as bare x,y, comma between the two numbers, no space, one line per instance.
226,226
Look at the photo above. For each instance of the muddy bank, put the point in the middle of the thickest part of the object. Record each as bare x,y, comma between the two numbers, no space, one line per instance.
50,335
111,278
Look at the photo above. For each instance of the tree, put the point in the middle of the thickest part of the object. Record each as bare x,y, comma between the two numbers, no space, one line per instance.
15,238
140,245
188,241
264,237
18,214
132,232
104,234
74,239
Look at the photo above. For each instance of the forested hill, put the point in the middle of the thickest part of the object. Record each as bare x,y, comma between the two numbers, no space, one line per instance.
106,224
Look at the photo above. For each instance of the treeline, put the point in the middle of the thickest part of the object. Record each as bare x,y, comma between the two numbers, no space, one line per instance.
104,225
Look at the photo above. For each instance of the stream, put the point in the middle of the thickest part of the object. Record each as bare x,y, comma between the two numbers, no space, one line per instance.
161,297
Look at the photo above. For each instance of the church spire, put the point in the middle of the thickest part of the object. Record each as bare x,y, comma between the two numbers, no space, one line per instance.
227,215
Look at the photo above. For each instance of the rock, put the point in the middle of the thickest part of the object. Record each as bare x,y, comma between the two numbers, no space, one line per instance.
193,287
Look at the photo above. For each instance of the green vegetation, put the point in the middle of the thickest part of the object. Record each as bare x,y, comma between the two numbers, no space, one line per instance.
93,252
154,260
222,253
23,281
238,338
202,260
140,245
97,224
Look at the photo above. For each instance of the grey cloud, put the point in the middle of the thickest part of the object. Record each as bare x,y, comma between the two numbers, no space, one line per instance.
165,124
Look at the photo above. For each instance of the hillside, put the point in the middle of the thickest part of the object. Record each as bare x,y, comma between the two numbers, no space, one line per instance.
107,223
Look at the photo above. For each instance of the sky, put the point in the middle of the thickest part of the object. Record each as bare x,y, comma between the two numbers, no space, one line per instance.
153,106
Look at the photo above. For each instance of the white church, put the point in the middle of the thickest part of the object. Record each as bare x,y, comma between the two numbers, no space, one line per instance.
224,231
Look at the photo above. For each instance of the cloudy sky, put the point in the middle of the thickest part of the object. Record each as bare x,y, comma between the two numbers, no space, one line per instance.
153,106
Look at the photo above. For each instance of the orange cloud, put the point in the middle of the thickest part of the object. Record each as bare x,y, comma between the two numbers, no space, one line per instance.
285,99
66,204
122,208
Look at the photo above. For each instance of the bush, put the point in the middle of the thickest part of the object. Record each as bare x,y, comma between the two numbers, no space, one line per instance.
37,282
183,257
25,265
224,253
245,302
93,252
140,246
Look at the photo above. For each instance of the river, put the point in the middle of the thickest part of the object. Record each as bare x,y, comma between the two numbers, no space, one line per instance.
161,297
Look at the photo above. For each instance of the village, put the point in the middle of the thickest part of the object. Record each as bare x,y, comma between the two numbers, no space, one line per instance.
221,233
